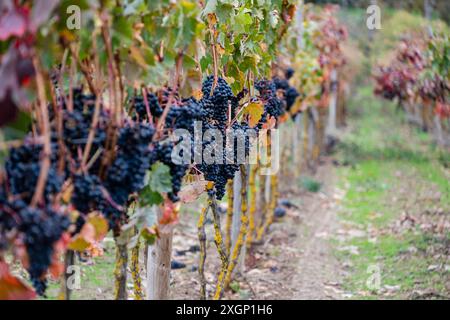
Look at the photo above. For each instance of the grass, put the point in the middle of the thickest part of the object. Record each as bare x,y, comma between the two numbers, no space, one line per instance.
96,278
385,159
310,184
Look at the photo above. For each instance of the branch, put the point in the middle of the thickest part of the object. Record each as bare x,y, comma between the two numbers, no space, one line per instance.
45,129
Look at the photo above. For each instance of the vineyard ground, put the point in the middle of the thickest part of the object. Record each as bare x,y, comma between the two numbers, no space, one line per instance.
383,210
396,210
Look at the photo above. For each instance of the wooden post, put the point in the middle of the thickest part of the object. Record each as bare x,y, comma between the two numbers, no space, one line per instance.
297,139
306,138
312,137
158,264
428,11
69,260
438,132
331,129
238,253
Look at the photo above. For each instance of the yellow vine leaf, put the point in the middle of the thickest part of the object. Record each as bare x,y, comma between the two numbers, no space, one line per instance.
83,240
255,111
67,194
100,225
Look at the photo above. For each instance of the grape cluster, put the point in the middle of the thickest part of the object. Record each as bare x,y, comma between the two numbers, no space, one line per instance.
87,193
289,73
127,172
141,109
184,116
216,102
273,106
289,92
77,124
40,226
279,83
290,95
23,167
41,229
218,105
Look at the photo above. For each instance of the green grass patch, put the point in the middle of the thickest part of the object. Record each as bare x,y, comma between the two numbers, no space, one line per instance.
310,184
381,154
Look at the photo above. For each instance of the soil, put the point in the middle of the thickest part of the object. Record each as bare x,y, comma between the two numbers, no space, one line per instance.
294,261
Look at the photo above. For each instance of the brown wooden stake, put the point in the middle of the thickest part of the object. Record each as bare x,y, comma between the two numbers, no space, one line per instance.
158,264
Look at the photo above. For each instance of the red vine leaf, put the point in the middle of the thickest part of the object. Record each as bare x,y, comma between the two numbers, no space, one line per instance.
13,23
12,288
169,214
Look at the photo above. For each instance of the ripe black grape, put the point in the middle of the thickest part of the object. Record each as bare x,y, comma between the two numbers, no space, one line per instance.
184,116
41,229
127,172
273,106
216,102
23,167
141,109
290,95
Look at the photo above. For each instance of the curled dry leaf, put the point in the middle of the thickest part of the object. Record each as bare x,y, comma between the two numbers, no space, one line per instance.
93,231
192,191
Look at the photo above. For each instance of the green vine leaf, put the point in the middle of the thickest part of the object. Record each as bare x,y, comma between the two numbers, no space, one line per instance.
159,178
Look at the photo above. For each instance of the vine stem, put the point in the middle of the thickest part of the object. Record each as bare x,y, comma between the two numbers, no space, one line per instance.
84,69
229,221
306,138
174,86
59,129
218,240
202,258
252,209
212,31
136,272
45,130
95,117
116,107
120,271
242,234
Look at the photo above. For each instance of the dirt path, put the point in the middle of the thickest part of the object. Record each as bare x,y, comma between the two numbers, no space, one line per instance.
318,273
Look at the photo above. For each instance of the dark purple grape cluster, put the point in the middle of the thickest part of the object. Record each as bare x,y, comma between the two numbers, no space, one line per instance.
77,124
216,102
217,106
126,174
280,84
87,194
40,226
289,73
140,108
290,96
184,116
41,229
273,106
23,166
